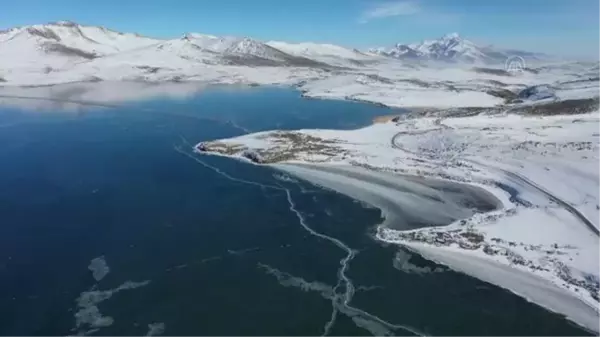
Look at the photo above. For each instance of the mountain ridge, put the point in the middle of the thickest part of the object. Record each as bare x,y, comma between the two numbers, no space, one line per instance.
63,45
453,47
97,41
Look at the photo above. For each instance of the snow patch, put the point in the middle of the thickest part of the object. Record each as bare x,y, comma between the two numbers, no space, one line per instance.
99,268
88,318
155,329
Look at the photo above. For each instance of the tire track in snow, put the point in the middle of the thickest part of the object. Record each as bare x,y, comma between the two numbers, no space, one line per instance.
554,198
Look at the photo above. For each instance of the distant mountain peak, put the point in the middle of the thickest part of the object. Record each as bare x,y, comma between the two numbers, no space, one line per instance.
448,48
64,23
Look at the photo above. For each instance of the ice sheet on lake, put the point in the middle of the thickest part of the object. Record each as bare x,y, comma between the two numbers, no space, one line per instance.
365,320
406,203
402,262
526,285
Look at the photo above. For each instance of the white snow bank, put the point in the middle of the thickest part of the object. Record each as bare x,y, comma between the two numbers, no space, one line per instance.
526,285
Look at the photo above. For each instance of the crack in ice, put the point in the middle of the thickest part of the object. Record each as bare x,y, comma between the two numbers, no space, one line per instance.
286,178
361,318
340,302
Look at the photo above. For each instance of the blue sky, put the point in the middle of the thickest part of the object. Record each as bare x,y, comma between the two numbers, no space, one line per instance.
562,27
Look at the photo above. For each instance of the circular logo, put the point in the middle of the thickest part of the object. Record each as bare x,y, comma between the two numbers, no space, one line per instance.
514,64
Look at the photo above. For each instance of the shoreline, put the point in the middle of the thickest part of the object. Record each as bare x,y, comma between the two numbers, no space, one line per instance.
385,118
134,88
463,234
531,287
194,83
295,84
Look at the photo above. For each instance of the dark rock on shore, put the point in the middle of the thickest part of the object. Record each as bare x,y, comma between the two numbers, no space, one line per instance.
253,156
536,93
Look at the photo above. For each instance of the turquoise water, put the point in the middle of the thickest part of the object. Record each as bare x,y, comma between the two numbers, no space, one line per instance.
221,256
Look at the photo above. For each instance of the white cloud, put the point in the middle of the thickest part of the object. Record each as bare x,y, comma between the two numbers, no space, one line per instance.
390,9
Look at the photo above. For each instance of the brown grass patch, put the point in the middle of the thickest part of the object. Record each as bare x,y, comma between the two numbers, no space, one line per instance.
384,118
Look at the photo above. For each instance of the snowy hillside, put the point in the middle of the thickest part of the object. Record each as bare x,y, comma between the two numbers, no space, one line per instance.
88,39
327,53
61,44
233,45
68,52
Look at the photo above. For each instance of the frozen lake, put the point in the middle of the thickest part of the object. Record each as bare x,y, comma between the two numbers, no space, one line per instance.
108,230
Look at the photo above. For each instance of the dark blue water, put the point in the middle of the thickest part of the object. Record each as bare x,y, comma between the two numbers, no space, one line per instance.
222,257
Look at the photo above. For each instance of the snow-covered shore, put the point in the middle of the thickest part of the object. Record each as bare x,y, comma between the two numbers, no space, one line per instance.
541,244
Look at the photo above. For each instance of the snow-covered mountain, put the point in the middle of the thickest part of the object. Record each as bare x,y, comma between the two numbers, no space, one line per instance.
61,44
451,48
234,45
247,51
90,39
66,51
